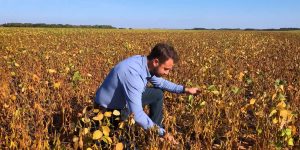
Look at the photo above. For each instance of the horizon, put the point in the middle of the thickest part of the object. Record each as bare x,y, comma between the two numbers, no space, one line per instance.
156,14
92,26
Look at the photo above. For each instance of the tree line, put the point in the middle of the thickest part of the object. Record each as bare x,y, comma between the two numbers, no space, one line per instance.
248,29
55,25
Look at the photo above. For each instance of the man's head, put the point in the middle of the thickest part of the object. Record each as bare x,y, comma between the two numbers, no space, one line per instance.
161,59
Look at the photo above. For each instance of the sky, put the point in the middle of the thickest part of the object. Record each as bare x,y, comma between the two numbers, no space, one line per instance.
167,14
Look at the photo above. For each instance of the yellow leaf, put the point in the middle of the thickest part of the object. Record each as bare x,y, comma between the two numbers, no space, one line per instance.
17,65
97,135
119,146
107,114
51,71
84,110
216,92
85,120
89,148
116,113
121,125
89,75
80,143
281,105
241,76
96,110
131,121
98,117
105,130
23,89
291,142
35,77
260,113
85,130
272,112
67,69
109,140
281,87
285,113
275,121
274,96
294,129
38,106
5,105
56,85
13,97
75,139
252,101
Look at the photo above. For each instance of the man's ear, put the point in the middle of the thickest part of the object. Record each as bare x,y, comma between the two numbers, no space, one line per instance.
155,62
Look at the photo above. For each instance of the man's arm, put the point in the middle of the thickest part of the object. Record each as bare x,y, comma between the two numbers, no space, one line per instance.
133,87
172,87
166,85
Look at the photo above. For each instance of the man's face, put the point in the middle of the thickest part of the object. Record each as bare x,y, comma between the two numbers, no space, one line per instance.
162,69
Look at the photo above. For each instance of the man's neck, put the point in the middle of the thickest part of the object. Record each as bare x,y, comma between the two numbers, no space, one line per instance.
149,65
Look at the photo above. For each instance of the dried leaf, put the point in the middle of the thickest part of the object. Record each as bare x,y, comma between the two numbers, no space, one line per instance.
51,71
252,101
56,85
119,146
97,135
96,110
121,125
98,117
107,114
105,130
281,105
86,130
116,113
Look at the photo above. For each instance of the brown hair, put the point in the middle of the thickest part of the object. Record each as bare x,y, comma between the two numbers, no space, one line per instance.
163,52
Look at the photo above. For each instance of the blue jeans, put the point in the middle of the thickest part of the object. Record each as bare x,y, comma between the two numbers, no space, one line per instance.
154,98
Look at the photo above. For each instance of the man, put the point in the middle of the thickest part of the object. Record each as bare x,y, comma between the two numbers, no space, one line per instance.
125,86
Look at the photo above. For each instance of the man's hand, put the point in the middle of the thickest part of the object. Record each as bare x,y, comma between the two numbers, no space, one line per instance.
192,91
169,138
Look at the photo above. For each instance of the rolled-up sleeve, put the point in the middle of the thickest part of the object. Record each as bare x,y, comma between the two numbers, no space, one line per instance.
166,85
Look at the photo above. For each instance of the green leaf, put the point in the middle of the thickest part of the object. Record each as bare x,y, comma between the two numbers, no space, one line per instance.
77,76
235,90
191,98
249,81
282,133
212,88
272,112
189,83
203,103
107,139
259,131
288,131
281,97
216,92
278,145
278,82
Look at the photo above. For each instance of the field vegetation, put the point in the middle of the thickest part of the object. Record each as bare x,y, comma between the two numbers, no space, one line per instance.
250,83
